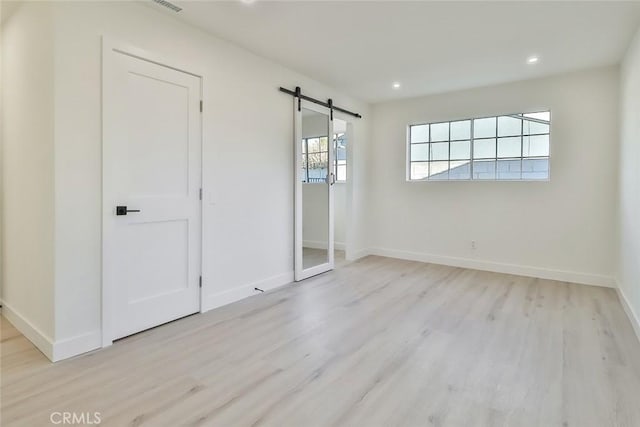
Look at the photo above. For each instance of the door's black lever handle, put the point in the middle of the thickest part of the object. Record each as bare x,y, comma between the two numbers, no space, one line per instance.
122,210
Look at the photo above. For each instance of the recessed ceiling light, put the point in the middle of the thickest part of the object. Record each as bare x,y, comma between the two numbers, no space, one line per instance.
247,1
396,85
532,59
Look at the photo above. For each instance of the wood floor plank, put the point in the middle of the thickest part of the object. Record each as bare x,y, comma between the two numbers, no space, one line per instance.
377,342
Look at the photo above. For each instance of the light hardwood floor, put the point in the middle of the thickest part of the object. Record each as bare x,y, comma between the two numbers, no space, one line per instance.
376,342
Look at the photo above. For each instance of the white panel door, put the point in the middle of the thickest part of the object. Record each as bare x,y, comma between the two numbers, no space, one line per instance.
152,178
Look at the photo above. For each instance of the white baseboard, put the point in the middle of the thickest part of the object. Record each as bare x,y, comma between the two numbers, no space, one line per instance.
313,244
69,347
26,328
628,309
359,254
520,270
54,350
227,297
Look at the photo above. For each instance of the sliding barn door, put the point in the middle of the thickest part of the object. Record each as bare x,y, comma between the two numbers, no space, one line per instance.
315,179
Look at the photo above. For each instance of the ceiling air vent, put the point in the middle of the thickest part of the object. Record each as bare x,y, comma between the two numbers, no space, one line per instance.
168,5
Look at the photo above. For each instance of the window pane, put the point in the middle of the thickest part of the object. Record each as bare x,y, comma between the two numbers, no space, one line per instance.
419,170
317,165
460,170
304,146
509,169
324,146
484,128
439,170
508,147
461,150
461,130
419,133
484,169
535,169
440,132
535,146
324,159
419,152
440,151
314,145
340,143
317,175
340,160
484,148
508,126
529,127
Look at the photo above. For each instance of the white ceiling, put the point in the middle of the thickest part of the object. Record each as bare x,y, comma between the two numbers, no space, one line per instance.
362,47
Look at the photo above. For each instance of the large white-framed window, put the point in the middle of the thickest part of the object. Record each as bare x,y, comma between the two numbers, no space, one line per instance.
314,158
511,147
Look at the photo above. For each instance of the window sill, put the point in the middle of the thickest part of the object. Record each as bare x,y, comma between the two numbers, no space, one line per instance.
478,180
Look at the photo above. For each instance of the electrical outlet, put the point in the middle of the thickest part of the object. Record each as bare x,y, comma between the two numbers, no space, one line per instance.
473,244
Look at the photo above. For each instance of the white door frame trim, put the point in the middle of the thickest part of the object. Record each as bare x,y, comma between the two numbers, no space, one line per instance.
111,46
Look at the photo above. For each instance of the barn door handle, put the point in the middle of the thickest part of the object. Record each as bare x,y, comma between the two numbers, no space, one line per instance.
122,210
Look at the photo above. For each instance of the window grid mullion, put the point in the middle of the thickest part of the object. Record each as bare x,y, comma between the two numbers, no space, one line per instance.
335,160
521,146
449,156
472,146
495,162
429,156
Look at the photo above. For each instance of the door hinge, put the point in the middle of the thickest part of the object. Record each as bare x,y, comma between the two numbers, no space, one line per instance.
200,282
201,106
201,194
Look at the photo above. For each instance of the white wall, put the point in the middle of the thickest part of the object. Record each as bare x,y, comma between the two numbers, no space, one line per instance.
561,229
27,169
248,216
628,273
